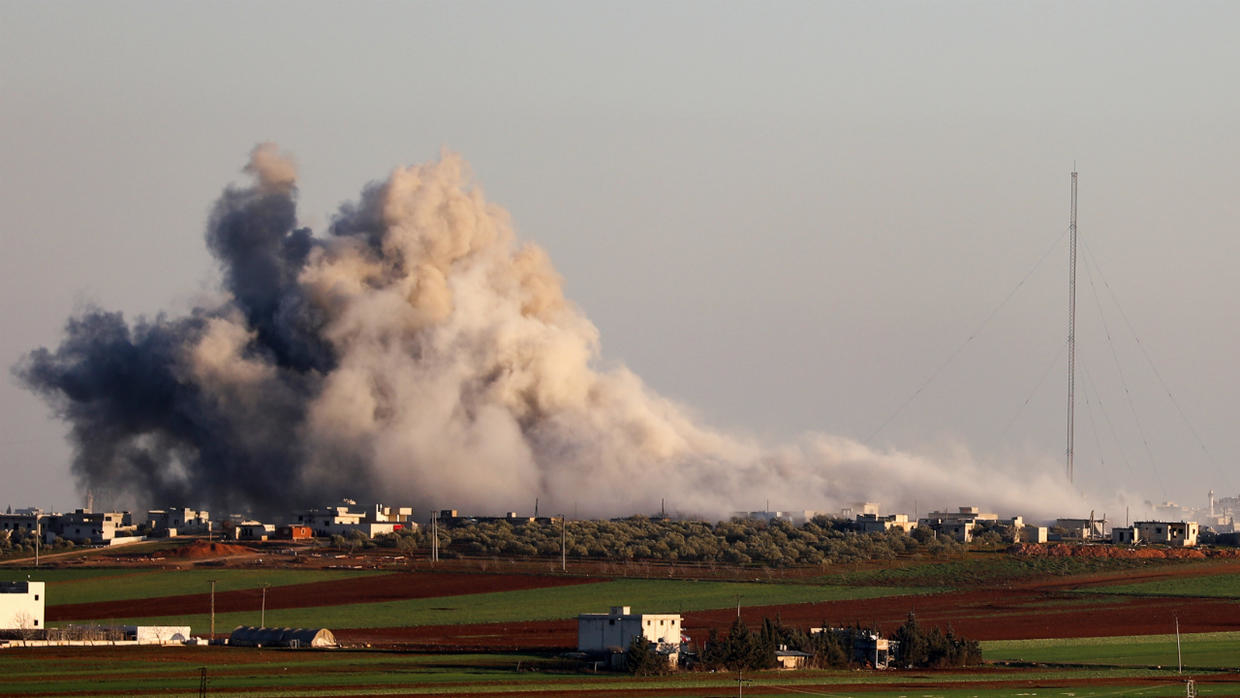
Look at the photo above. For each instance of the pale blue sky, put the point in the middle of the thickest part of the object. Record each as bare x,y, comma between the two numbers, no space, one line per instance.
785,215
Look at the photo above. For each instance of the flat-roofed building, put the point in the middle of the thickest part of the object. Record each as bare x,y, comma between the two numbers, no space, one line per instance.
615,630
178,521
21,605
96,528
341,520
1181,534
873,523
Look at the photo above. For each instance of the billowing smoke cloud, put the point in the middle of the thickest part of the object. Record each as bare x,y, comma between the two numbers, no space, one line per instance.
420,353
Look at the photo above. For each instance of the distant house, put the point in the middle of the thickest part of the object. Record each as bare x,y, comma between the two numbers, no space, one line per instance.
177,521
1082,529
1181,534
82,526
790,659
342,520
1032,534
21,605
957,524
254,530
1125,535
867,647
612,632
873,523
1173,533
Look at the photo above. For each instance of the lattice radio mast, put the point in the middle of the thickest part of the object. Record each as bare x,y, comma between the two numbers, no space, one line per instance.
1072,329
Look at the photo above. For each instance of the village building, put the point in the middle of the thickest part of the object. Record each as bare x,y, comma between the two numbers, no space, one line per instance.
1174,533
957,524
254,530
613,632
342,520
873,523
177,521
1082,529
21,606
791,659
94,528
868,647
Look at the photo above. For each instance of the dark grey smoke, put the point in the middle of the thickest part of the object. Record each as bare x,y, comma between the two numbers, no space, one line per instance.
146,433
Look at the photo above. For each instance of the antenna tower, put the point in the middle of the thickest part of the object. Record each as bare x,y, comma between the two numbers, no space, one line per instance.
1072,331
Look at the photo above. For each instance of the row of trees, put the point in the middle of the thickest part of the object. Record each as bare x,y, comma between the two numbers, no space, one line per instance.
743,650
821,540
22,544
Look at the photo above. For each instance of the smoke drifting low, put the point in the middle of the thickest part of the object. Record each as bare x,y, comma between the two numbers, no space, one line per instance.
418,352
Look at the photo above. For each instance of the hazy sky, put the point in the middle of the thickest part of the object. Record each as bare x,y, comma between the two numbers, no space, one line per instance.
786,216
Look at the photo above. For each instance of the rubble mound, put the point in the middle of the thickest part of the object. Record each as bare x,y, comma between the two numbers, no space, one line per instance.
1116,552
201,549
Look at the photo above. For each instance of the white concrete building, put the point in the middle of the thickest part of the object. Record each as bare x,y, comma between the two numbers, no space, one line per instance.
873,523
178,521
94,528
957,524
1174,533
615,630
21,605
1033,534
254,530
341,520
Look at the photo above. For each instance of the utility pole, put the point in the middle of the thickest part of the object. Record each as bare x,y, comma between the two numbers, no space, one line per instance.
563,543
1072,330
38,533
212,609
434,537
1178,655
262,622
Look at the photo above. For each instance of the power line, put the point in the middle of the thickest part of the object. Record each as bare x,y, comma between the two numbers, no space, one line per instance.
1158,374
1136,418
1050,366
952,357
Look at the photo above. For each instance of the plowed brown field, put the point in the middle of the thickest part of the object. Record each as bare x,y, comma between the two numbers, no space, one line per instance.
1024,610
386,587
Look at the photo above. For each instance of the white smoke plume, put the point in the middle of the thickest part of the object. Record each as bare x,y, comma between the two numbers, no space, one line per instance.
421,353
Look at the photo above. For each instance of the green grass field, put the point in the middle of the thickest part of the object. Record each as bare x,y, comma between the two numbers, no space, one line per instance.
94,585
1218,586
981,568
652,595
1200,650
275,673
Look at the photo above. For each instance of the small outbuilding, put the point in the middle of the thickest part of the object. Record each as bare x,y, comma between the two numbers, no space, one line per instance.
253,636
790,659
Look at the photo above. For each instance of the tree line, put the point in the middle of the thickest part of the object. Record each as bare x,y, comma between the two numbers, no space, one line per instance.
822,540
913,647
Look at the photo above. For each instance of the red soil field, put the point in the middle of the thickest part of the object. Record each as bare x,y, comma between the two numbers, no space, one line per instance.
1023,610
386,587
